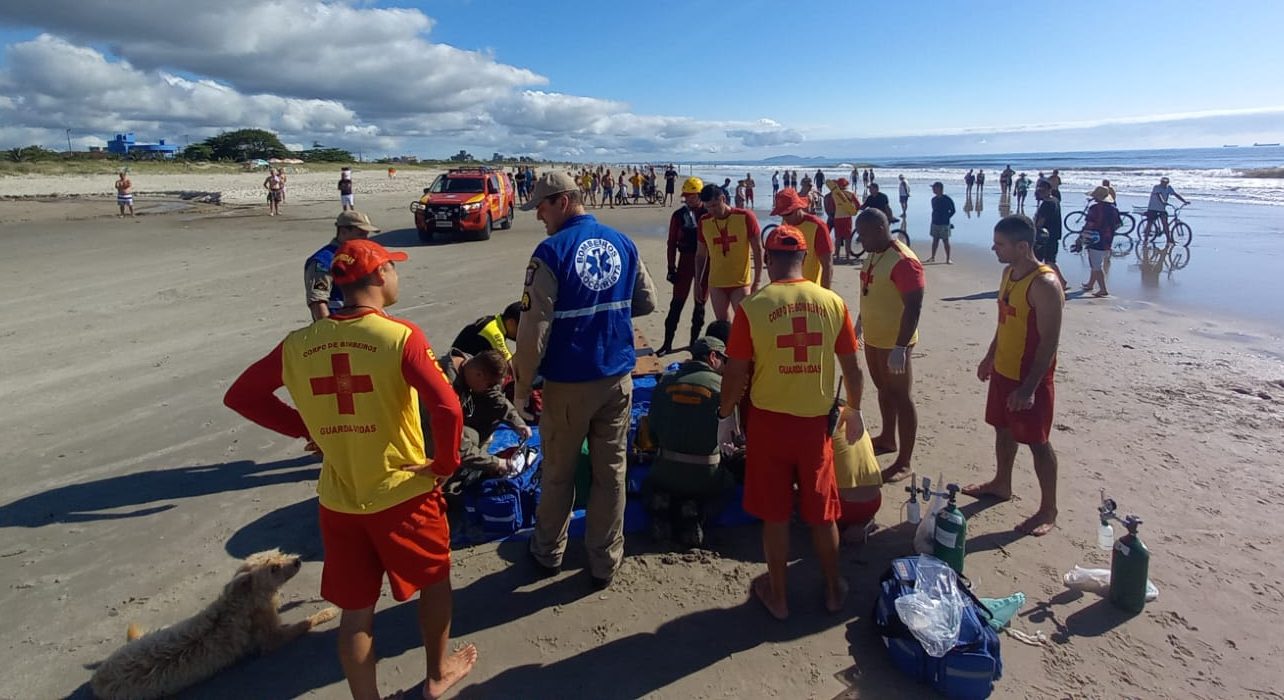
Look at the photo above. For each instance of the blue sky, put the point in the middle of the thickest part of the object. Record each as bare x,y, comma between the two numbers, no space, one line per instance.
751,78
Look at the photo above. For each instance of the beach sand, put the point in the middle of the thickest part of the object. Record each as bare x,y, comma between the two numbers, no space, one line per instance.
130,492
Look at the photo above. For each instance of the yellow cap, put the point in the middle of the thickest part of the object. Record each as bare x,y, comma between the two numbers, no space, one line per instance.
693,185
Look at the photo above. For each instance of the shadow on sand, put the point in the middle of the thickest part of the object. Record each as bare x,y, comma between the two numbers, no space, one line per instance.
88,501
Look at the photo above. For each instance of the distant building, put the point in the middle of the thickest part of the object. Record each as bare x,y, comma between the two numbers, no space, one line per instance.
125,145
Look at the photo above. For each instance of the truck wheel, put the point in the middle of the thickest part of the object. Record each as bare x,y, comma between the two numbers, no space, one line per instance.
484,233
507,223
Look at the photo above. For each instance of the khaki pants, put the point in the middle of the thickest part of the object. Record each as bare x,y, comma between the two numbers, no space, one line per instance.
598,410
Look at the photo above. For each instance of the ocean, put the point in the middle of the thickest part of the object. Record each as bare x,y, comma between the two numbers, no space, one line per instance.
1231,175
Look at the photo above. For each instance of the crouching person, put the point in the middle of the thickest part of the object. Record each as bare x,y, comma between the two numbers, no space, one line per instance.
860,482
687,480
477,380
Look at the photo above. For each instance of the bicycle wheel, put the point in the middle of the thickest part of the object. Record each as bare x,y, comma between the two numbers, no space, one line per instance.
1074,221
1181,234
1126,224
1120,246
1178,258
903,236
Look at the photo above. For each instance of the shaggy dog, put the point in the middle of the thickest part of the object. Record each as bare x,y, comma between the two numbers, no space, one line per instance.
243,620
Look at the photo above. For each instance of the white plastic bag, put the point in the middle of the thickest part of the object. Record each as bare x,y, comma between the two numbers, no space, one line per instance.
925,535
934,611
1098,581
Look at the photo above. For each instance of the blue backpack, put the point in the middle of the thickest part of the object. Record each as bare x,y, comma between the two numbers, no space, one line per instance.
502,506
969,670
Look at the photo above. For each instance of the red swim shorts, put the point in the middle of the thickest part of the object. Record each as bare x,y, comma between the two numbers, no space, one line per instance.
409,541
782,450
1031,427
843,228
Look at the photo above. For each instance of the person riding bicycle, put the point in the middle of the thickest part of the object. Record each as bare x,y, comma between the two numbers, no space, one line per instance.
1157,208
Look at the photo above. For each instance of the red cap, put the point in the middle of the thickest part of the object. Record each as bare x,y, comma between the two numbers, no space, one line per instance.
788,200
787,238
843,183
359,257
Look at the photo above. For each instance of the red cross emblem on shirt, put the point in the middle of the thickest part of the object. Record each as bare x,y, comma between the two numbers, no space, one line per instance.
725,240
1006,310
800,339
343,384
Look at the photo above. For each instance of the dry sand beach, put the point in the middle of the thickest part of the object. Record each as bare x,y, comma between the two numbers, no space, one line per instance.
130,492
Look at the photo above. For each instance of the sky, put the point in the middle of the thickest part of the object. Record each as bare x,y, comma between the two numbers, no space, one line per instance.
683,81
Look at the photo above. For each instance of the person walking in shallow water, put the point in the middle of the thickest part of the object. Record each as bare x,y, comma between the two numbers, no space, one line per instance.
970,181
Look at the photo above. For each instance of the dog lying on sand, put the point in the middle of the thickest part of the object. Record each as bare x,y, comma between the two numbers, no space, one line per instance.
243,620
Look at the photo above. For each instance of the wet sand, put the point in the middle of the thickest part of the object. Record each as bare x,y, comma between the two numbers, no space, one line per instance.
130,492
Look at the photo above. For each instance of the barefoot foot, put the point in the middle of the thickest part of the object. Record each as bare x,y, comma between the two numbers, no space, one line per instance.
761,589
1039,524
988,490
836,596
453,669
895,473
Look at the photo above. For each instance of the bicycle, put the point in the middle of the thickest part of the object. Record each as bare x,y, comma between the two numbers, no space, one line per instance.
1152,228
858,250
1075,220
1121,245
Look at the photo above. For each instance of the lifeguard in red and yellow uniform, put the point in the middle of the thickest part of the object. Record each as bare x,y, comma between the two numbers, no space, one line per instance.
358,379
818,266
1019,366
791,331
729,242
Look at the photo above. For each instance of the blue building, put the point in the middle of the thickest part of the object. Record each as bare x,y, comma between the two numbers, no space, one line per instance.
124,145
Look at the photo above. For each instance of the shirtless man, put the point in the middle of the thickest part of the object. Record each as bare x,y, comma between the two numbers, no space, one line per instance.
1019,367
275,186
124,197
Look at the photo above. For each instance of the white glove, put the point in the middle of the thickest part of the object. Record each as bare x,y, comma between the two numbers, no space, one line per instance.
897,360
729,432
855,425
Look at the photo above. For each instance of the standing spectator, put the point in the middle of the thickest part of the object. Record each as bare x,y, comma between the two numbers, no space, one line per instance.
1019,366
942,212
1099,228
1005,180
1055,180
584,284
891,300
280,172
1047,229
969,180
684,236
905,195
775,185
840,206
740,194
790,332
726,189
275,192
687,476
819,181
793,179
323,295
608,190
878,200
1022,188
819,263
749,185
1157,206
381,508
980,183
670,179
124,194
346,199
864,180
729,243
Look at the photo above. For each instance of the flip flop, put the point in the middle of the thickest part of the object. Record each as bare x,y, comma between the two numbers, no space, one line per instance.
899,475
882,450
1101,295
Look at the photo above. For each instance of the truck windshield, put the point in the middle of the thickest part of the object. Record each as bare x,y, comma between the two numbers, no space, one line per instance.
458,184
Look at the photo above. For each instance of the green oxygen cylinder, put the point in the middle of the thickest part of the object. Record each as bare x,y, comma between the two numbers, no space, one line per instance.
951,533
1129,569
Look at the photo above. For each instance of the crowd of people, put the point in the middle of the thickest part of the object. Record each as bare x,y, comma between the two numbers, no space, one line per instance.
780,353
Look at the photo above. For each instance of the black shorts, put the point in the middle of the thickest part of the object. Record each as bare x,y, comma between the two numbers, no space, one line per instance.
1046,250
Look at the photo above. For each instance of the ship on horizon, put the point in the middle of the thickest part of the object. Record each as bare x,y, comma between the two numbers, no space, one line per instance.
1266,144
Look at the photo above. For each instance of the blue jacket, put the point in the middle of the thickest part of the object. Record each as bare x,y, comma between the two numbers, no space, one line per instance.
596,268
